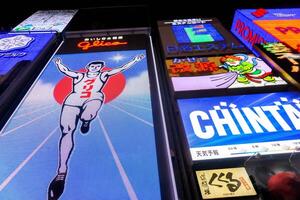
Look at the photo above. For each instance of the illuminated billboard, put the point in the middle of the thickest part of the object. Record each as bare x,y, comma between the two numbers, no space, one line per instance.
21,55
194,37
225,183
283,58
79,127
190,33
17,47
243,125
220,72
267,25
47,20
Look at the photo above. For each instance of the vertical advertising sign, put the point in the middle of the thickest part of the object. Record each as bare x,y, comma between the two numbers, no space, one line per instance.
85,127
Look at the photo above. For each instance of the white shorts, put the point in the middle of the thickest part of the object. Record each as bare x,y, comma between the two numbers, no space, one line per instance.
74,99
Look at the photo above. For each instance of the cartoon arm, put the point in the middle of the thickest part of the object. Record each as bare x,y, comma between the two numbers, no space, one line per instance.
64,69
126,66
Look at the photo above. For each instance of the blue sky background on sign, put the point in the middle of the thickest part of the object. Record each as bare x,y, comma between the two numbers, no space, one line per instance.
29,153
204,104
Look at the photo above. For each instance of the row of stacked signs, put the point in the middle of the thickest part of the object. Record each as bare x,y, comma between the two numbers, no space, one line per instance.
204,62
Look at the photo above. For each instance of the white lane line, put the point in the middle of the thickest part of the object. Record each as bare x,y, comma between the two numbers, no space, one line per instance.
131,115
125,179
30,106
134,100
134,105
34,111
18,169
27,123
261,99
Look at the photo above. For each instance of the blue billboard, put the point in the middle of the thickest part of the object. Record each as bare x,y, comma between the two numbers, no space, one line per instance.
17,47
85,131
234,126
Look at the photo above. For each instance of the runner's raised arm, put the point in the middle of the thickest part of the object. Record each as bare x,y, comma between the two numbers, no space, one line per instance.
126,66
62,68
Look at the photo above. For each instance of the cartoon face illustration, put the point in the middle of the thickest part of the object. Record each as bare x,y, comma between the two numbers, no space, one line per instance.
233,61
246,68
236,64
95,66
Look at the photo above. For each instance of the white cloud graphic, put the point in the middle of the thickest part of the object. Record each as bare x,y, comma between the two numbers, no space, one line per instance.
138,85
41,93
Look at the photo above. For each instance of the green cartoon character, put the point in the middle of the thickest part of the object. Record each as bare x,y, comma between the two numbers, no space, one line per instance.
247,71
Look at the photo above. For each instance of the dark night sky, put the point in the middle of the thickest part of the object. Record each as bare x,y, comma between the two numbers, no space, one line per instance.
122,13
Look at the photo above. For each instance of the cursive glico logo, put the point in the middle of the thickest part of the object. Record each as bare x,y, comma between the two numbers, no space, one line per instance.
85,45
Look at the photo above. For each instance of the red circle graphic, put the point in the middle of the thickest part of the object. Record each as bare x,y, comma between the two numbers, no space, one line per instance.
112,89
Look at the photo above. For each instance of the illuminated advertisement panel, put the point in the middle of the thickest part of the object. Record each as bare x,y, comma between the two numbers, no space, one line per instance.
191,37
237,126
16,47
285,59
19,57
287,31
46,20
225,183
190,33
220,72
267,25
85,127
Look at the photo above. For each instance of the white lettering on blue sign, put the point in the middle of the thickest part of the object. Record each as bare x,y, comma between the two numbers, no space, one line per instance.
251,120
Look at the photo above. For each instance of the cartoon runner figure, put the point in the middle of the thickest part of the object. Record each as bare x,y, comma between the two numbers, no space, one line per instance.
83,104
247,71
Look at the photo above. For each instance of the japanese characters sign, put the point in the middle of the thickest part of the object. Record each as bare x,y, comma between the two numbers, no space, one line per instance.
222,183
218,72
192,37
